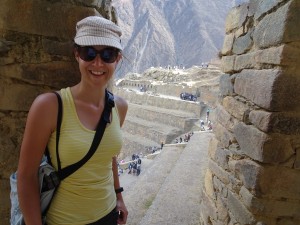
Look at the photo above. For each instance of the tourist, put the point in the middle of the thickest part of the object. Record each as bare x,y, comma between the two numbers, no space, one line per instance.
87,196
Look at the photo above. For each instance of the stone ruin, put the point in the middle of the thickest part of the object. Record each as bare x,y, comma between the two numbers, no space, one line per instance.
253,174
156,113
35,57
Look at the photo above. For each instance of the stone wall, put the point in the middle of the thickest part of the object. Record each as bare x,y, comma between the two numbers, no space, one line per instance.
35,57
159,101
254,168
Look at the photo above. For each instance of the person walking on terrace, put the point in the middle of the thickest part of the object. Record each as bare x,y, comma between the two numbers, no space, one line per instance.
91,195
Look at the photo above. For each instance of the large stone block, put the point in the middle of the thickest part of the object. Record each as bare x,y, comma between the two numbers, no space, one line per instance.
208,210
247,171
262,147
11,127
278,27
221,157
276,122
224,137
222,210
271,207
257,86
228,64
225,118
287,221
226,84
280,183
237,108
245,61
243,44
228,43
56,19
265,183
261,7
5,201
53,74
261,119
297,161
274,90
283,55
236,17
220,188
238,210
17,97
219,172
58,48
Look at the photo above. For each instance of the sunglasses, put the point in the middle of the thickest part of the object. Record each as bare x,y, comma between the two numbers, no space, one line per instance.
88,53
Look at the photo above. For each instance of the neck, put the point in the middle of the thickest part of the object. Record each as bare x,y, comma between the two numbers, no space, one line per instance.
89,95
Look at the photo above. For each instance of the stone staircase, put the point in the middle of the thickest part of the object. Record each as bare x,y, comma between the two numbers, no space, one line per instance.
168,191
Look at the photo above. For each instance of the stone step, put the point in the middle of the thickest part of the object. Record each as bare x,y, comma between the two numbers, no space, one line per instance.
152,130
142,191
176,118
178,200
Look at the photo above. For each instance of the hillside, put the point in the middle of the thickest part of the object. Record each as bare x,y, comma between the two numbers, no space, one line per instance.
171,32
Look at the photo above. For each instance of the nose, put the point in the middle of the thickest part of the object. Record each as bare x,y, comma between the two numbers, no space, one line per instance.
98,61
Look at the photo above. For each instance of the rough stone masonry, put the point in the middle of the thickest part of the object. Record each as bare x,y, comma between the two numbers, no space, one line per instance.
254,168
35,57
253,175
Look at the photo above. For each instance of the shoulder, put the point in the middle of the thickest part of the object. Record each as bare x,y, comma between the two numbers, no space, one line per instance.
120,102
44,108
44,102
122,107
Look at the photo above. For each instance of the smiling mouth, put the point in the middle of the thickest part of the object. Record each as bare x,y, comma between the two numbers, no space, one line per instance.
97,73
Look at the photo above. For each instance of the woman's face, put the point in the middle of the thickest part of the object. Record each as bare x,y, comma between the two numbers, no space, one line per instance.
97,63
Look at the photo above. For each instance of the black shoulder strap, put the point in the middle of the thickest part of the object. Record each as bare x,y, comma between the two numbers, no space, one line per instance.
105,118
58,125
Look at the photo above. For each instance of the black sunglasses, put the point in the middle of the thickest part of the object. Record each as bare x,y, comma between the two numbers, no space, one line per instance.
88,53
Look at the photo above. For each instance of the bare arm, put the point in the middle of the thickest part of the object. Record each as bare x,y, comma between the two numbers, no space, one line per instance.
122,106
41,122
122,110
121,208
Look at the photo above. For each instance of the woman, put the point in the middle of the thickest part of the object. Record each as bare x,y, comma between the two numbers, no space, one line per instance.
87,196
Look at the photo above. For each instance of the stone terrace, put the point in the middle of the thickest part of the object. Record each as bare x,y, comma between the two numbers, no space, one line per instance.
153,118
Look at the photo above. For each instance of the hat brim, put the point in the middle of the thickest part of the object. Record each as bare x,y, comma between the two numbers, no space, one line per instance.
92,41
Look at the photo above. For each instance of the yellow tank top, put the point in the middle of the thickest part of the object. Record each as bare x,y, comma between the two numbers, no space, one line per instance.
88,194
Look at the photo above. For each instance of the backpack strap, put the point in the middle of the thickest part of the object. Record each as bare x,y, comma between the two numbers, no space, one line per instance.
58,126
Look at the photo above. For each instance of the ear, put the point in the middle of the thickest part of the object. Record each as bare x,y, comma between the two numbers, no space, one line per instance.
76,54
120,56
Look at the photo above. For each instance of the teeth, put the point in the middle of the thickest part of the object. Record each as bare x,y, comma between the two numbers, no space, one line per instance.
97,72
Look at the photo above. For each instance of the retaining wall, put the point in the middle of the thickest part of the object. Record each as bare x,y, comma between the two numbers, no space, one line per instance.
254,167
35,57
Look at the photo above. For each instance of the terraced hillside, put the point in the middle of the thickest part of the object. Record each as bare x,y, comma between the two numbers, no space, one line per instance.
157,114
149,124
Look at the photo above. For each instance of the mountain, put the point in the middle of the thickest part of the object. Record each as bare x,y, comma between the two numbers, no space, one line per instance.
170,32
